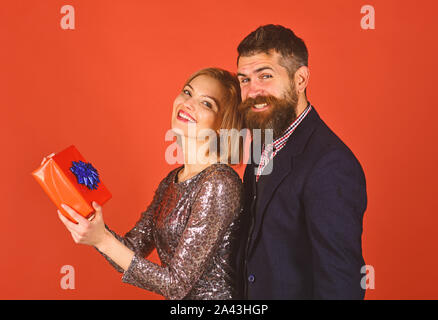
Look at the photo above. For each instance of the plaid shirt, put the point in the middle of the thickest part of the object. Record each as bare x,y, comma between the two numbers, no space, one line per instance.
273,148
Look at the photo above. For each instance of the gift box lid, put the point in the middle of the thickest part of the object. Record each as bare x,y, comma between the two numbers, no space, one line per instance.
66,160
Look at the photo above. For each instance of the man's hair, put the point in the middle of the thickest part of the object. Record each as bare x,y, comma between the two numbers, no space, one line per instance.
292,49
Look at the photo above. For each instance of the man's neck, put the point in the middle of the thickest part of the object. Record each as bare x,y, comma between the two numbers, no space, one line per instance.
302,105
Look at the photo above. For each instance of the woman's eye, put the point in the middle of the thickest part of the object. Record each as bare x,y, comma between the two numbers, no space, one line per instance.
208,104
187,92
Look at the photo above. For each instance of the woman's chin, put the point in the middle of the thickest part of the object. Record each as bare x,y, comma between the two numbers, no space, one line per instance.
179,131
178,128
182,129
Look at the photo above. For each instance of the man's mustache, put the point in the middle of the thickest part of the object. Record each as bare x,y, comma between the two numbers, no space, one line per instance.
250,102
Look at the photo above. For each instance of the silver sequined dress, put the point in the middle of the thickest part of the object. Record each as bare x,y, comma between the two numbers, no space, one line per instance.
193,225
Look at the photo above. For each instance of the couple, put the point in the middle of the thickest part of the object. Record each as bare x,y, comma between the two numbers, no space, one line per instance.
294,233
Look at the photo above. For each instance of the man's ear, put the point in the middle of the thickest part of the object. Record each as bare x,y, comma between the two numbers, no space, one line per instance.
301,79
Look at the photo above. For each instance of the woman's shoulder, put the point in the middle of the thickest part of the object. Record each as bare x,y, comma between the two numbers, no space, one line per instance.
167,180
171,175
221,174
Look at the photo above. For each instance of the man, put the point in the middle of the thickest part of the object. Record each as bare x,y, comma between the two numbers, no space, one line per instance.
302,227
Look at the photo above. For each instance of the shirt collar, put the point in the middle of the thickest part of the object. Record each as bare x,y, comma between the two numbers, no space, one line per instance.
281,141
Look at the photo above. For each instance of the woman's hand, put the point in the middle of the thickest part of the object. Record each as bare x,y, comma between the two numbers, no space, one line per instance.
85,231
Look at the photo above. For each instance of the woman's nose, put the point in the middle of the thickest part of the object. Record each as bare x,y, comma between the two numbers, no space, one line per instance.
189,104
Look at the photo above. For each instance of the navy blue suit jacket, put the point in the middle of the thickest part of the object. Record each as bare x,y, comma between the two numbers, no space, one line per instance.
303,238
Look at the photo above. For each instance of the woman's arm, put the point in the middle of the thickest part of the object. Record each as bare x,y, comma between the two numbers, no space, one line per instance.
217,204
117,250
95,234
139,239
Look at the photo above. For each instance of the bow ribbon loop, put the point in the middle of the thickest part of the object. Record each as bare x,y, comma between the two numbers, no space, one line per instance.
86,174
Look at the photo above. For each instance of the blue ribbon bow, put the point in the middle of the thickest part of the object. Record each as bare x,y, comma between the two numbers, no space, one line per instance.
86,174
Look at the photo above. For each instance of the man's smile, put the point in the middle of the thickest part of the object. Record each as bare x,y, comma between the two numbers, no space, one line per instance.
260,107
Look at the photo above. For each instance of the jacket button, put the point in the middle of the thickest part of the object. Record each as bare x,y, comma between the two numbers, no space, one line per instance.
251,278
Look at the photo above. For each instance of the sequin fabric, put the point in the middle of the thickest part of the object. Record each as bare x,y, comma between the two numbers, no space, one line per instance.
193,226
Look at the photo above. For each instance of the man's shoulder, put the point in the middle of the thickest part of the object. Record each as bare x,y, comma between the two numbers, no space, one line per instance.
330,151
324,141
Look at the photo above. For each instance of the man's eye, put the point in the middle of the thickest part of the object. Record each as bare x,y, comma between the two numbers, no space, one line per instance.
244,80
266,76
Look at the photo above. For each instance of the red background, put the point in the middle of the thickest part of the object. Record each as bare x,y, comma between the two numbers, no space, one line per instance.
108,87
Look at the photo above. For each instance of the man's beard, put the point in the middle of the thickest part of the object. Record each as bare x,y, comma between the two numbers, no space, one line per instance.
280,114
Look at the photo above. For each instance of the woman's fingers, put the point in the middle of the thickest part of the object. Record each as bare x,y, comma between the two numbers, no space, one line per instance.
74,236
65,221
98,209
96,206
72,227
86,231
80,219
97,217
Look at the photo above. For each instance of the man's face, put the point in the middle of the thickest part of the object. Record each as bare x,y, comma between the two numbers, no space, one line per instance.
269,98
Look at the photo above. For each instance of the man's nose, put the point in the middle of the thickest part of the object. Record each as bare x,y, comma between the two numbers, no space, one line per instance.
254,90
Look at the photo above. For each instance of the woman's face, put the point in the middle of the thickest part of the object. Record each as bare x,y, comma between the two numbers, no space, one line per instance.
197,106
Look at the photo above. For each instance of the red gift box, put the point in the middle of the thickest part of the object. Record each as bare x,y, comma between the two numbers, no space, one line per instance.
67,178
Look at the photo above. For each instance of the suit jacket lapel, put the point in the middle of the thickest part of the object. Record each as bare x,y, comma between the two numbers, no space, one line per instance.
283,166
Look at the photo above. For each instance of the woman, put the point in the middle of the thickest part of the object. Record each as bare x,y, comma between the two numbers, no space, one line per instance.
194,214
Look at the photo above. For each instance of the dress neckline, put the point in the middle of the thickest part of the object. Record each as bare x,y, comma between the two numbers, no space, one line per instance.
175,178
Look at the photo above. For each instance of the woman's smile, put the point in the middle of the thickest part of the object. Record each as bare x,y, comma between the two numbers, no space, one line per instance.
185,117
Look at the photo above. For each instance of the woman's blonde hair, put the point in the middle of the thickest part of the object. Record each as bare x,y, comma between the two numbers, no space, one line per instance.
232,120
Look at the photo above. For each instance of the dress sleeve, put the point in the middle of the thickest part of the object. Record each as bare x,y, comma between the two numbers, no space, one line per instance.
140,238
215,207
